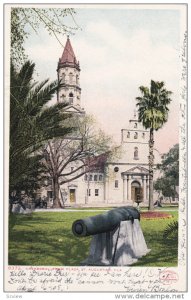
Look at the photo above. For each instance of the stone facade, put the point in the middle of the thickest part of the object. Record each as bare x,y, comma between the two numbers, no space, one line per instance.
126,179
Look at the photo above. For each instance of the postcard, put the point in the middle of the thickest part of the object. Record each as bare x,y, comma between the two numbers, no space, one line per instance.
95,143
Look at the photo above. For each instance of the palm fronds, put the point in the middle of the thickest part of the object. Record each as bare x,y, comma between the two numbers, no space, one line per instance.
32,124
153,113
171,231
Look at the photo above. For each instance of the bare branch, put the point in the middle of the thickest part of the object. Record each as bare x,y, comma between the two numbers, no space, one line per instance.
69,180
74,171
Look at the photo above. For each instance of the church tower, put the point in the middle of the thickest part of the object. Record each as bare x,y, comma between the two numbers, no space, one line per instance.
136,139
68,71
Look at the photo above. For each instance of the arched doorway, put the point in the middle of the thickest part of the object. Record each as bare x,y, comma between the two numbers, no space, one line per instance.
136,191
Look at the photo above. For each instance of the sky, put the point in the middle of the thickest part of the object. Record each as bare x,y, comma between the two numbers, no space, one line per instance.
119,49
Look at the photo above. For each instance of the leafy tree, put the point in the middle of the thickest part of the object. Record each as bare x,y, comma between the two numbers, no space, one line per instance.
170,173
153,113
166,186
84,150
32,124
170,164
23,19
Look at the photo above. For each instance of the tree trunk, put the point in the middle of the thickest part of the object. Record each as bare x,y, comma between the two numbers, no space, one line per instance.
10,208
174,196
151,164
56,200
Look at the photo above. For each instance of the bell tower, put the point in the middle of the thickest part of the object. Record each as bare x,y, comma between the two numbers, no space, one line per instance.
68,72
135,133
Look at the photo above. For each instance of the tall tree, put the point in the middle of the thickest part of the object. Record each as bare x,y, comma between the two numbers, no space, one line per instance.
32,124
85,150
165,185
153,113
169,166
25,19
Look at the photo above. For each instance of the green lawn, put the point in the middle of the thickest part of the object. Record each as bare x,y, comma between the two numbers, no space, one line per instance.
45,238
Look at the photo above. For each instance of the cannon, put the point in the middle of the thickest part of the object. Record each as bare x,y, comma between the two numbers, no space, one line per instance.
117,237
104,222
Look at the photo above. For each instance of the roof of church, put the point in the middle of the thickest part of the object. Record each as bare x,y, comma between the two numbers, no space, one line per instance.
68,56
137,169
98,162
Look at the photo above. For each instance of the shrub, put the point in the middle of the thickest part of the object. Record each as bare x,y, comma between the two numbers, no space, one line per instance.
171,231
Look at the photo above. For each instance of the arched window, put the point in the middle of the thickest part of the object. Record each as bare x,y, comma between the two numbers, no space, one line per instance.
128,134
143,135
71,96
49,181
70,78
135,125
77,79
63,97
135,135
136,153
95,177
63,77
100,177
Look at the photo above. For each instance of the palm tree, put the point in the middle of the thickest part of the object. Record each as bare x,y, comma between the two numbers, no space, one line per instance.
32,124
153,113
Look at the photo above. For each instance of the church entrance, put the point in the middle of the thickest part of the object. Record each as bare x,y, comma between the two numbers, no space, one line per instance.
136,191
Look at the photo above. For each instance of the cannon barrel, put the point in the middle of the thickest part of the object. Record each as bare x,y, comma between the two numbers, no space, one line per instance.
104,222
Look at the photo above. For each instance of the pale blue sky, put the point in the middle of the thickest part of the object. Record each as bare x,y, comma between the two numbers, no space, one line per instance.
160,23
119,50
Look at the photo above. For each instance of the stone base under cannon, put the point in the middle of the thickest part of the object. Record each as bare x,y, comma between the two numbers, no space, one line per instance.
120,247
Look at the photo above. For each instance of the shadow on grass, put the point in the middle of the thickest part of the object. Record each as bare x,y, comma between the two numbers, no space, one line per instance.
48,240
163,252
41,249
39,244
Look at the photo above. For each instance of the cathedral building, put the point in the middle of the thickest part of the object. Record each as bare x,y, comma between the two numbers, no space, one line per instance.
126,179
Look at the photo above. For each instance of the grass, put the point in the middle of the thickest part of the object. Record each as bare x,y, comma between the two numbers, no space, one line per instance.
164,206
167,207
44,238
164,253
88,208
